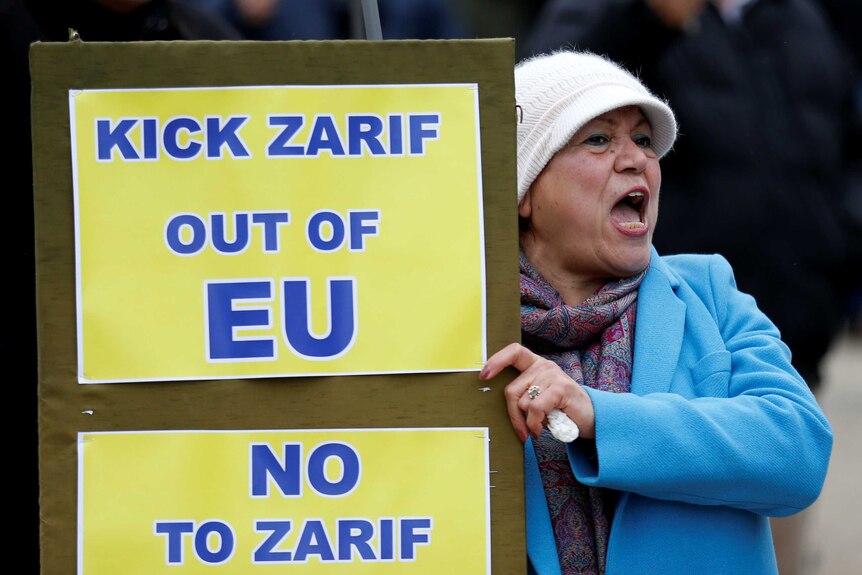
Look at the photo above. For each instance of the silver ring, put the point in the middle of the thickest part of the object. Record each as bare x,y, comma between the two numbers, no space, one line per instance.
533,391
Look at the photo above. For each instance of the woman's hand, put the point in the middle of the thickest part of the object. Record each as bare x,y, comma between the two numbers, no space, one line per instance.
556,390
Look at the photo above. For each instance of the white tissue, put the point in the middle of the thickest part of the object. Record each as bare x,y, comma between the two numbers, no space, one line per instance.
562,427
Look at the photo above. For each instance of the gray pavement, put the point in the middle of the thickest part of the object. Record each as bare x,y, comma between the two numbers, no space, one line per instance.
833,533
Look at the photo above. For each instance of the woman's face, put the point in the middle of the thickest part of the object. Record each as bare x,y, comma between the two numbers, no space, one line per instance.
592,211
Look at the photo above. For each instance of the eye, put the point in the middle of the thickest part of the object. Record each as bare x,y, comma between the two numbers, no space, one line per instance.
643,141
596,140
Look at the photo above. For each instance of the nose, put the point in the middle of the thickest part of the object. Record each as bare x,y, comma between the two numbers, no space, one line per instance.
631,157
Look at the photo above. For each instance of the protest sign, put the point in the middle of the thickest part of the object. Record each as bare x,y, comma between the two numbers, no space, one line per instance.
185,192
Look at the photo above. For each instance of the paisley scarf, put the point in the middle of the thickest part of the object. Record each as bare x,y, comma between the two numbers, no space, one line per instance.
593,343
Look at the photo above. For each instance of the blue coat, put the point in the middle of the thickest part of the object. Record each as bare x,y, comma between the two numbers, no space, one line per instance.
718,433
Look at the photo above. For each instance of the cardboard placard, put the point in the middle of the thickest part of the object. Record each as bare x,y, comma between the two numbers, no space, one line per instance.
150,392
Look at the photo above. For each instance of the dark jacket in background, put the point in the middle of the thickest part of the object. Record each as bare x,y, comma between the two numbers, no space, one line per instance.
155,20
763,166
343,19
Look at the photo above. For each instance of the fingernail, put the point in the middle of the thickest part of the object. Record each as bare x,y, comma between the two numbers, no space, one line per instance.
522,436
484,373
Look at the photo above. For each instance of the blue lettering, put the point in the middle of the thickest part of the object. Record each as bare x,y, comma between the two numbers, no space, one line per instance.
171,138
341,318
314,541
241,233
396,135
186,234
358,229
367,134
151,138
354,540
355,534
182,138
108,138
419,133
270,222
279,146
350,469
365,130
265,552
219,533
174,234
387,539
219,135
324,137
333,222
414,532
174,530
265,464
224,320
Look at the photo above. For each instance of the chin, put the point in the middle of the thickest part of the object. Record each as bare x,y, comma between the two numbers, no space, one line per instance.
633,263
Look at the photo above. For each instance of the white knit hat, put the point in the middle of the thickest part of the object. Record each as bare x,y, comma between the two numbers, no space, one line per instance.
558,93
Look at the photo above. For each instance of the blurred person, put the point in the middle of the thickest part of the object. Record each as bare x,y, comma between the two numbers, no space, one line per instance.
284,19
846,15
662,418
764,170
337,19
128,20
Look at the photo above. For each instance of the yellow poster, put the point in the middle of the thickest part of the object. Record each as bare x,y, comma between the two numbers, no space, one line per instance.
277,231
372,501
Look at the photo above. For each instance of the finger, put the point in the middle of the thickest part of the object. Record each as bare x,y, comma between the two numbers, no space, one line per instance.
519,387
516,416
513,393
534,408
514,354
535,420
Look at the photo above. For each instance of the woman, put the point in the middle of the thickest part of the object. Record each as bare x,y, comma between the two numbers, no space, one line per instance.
693,426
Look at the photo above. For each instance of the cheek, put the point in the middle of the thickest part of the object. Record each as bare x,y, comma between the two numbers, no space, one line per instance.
559,218
654,175
654,181
568,190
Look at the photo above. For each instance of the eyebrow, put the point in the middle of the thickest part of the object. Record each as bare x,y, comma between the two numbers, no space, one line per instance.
614,122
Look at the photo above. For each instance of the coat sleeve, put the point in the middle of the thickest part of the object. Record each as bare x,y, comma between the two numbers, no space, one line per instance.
765,447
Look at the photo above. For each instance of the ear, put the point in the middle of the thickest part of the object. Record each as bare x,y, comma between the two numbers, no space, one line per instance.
525,208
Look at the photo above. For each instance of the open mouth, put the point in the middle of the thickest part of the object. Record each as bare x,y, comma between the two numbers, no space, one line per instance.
628,213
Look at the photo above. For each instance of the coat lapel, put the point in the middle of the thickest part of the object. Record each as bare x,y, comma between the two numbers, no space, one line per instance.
658,329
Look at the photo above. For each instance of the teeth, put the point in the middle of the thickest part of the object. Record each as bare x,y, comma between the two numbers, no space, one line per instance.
636,194
632,225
